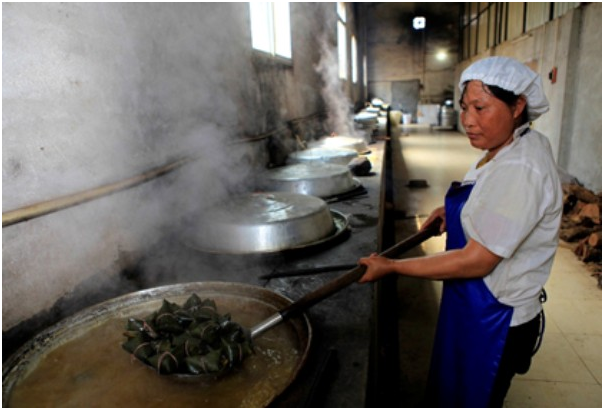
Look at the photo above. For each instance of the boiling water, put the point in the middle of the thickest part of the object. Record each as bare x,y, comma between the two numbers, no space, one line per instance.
94,371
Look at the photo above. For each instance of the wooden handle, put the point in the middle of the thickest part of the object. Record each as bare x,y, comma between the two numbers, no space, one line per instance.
44,208
355,274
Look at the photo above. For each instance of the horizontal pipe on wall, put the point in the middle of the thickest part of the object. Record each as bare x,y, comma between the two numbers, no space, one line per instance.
280,129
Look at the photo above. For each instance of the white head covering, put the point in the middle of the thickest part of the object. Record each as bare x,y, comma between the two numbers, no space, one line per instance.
511,75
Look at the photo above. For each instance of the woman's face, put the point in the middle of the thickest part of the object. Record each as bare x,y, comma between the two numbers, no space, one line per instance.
488,121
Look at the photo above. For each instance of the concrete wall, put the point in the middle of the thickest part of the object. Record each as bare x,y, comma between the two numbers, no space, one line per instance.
580,150
94,93
398,53
573,45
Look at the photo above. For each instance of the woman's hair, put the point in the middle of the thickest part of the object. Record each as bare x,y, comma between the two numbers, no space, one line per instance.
508,98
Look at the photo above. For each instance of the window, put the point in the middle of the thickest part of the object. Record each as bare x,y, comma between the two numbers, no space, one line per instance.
486,25
353,58
365,71
342,11
270,23
342,54
342,46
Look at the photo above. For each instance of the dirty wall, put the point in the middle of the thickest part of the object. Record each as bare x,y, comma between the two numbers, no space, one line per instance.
95,93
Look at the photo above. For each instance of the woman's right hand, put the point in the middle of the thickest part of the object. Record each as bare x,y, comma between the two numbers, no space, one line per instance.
437,213
377,267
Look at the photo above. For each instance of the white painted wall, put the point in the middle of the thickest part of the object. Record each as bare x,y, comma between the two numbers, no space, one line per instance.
94,93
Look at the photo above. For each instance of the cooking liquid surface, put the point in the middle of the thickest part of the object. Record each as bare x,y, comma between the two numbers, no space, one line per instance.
95,371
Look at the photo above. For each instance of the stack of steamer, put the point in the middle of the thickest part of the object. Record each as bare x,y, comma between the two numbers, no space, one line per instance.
582,225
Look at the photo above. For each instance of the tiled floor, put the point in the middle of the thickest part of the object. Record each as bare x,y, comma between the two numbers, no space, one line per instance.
567,370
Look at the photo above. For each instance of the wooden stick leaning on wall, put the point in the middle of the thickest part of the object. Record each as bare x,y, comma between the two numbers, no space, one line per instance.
46,207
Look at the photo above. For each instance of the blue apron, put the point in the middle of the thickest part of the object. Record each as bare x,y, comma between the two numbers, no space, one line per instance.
471,331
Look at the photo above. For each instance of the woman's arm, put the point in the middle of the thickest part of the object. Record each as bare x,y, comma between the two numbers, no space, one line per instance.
472,261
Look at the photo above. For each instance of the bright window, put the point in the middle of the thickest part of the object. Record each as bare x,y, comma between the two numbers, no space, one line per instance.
342,11
271,32
353,58
365,71
342,42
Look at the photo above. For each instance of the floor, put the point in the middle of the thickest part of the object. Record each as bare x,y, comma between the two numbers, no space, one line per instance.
567,370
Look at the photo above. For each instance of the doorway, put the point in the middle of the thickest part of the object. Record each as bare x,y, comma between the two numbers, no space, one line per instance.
405,96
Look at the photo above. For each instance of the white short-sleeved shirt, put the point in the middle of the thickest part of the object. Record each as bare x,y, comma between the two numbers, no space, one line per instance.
514,210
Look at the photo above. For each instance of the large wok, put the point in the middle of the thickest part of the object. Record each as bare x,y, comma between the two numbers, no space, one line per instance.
322,180
238,299
264,222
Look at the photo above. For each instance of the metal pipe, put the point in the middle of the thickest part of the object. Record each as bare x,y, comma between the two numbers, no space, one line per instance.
267,324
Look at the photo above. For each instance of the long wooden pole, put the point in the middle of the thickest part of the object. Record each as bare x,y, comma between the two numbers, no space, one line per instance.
46,207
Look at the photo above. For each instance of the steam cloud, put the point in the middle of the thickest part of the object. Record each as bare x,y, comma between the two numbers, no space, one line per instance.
135,93
340,109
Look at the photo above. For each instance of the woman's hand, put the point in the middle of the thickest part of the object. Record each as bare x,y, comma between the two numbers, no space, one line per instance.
437,213
377,267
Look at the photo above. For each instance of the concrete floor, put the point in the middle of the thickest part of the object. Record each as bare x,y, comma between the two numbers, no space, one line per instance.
567,370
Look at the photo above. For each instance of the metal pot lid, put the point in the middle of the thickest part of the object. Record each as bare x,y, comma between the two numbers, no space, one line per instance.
296,172
248,304
264,208
261,223
319,179
320,154
342,141
366,117
340,222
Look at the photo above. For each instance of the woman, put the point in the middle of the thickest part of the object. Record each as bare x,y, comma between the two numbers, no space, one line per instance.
502,226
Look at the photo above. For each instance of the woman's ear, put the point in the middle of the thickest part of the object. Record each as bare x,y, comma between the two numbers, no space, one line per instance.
519,106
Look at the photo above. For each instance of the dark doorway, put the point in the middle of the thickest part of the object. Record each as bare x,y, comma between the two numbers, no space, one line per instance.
405,96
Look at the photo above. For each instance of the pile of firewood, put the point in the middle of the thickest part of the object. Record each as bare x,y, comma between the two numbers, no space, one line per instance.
582,226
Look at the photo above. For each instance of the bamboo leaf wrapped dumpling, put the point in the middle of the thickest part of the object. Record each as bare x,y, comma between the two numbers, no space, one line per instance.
189,339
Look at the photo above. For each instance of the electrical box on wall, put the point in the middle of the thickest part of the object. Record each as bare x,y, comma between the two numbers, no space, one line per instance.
553,74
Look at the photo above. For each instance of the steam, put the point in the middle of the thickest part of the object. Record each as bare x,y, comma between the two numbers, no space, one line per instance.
112,91
340,109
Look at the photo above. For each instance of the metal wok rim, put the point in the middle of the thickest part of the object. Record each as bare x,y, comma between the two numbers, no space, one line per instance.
340,222
16,366
356,184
